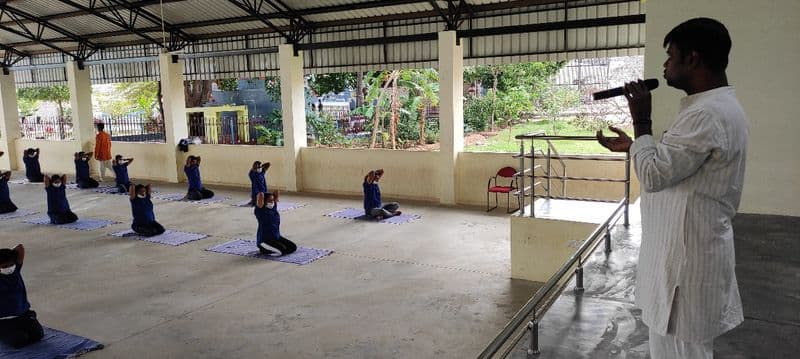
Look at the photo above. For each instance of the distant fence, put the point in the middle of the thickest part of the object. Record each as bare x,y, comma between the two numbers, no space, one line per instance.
46,128
134,128
128,128
227,129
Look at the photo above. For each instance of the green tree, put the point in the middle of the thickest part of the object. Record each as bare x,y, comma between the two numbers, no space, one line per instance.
27,106
332,83
272,84
57,93
556,99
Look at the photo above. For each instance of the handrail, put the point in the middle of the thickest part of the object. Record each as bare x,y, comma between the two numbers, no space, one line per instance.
529,309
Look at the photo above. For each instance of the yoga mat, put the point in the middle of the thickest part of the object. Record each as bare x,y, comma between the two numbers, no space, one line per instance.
109,190
247,248
83,224
54,344
18,213
181,197
23,181
353,213
282,206
71,186
172,238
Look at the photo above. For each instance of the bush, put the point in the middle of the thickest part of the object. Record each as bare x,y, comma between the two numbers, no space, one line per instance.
323,127
477,111
268,136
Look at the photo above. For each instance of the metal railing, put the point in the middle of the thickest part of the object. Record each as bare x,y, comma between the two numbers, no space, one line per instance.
134,128
46,128
228,129
550,173
526,320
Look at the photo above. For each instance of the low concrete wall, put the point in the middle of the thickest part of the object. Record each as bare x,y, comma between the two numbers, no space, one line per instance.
55,157
229,164
412,175
540,246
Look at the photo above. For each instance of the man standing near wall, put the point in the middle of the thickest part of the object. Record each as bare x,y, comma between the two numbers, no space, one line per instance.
102,149
692,184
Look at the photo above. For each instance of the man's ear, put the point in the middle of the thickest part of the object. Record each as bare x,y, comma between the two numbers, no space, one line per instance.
694,60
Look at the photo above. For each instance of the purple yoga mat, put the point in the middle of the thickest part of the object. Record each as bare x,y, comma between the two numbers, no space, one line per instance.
247,248
182,198
353,213
83,224
18,213
172,238
54,344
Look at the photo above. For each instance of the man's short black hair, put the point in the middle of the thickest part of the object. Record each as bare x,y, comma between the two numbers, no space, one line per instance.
100,126
707,36
8,256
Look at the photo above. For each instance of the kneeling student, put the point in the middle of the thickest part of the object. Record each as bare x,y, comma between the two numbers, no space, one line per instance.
196,190
57,204
144,220
120,167
82,176
268,236
18,324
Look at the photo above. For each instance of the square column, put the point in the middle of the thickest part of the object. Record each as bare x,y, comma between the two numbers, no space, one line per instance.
174,103
9,121
80,100
451,112
294,112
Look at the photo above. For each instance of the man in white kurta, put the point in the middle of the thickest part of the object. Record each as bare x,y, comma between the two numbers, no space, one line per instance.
691,183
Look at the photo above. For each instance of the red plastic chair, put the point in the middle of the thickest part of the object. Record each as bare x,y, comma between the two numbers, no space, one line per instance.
505,172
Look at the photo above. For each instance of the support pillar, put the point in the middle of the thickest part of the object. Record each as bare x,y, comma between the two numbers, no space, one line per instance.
294,112
174,103
451,112
9,124
80,101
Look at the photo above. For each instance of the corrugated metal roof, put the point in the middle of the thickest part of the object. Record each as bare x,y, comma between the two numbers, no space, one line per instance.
350,38
196,10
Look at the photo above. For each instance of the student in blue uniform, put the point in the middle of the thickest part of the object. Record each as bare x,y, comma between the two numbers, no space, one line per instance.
6,206
373,206
32,169
196,190
57,204
18,324
144,220
268,236
120,167
258,181
82,177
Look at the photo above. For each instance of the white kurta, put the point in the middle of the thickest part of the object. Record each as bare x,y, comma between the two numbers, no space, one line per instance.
691,185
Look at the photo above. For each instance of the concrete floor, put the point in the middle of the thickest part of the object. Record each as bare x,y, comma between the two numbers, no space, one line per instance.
437,287
603,323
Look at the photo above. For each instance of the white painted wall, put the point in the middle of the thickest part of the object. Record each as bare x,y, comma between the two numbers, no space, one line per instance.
763,68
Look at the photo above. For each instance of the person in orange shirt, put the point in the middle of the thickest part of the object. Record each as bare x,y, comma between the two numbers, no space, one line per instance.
102,149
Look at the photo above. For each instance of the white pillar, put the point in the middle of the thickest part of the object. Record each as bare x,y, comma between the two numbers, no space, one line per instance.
9,125
451,112
80,100
174,103
294,112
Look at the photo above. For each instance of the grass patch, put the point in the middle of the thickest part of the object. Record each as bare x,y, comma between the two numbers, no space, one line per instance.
503,141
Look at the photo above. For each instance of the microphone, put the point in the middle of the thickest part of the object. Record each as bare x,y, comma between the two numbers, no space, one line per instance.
602,95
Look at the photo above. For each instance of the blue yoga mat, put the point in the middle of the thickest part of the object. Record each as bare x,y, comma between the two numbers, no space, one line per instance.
353,213
182,197
83,224
247,248
55,344
18,213
172,238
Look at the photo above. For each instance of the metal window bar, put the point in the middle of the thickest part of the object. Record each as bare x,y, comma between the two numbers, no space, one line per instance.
229,129
533,155
526,320
46,128
134,128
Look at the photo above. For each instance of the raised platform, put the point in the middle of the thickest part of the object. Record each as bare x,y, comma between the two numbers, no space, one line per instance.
541,244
